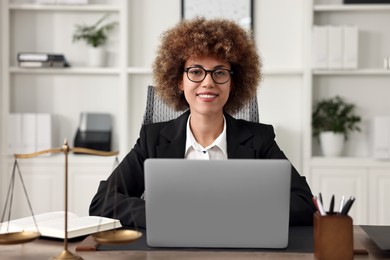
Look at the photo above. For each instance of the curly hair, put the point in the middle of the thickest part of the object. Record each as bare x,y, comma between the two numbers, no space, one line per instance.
220,38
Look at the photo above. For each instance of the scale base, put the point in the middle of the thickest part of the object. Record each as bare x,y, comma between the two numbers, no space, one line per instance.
67,255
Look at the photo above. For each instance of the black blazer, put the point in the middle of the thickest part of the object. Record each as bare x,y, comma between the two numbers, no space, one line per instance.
245,139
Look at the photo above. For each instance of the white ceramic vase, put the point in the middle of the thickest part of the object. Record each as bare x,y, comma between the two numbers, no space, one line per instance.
332,143
96,57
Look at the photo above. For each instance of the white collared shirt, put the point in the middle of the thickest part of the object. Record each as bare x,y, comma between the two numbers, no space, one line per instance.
215,151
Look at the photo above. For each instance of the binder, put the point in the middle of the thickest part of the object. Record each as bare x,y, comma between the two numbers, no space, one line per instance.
44,132
350,46
28,133
14,133
335,47
320,47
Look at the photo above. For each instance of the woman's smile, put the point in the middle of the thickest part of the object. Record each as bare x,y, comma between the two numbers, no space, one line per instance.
207,96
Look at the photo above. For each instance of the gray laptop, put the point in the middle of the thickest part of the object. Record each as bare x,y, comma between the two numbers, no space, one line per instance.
238,203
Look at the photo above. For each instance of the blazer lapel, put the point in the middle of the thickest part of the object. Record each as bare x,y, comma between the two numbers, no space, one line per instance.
173,138
238,140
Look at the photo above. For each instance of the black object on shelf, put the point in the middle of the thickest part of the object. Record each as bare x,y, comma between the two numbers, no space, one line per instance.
94,132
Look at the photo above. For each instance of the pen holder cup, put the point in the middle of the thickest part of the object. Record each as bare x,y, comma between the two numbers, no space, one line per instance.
333,237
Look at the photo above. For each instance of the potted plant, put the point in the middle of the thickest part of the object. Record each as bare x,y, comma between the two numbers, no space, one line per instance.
95,36
333,120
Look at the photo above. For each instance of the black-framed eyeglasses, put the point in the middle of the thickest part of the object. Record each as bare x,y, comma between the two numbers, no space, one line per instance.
198,74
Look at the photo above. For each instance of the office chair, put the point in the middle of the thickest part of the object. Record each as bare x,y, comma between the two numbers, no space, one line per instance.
157,111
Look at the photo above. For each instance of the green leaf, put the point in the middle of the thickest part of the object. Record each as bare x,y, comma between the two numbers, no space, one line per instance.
336,115
94,35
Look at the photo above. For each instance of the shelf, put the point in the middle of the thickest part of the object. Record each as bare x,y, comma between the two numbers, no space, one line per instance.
348,162
66,71
273,71
65,8
282,71
355,72
351,7
139,70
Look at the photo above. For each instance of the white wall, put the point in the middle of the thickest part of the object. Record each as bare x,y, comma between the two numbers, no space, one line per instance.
279,36
148,19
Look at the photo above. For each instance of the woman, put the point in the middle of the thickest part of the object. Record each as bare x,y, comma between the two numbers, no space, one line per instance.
212,68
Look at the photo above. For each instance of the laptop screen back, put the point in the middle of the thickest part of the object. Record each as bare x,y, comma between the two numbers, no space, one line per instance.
238,203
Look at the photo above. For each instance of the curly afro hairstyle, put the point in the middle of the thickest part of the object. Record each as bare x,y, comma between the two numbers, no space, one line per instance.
220,38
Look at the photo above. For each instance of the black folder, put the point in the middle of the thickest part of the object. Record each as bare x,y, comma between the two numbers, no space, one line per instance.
379,234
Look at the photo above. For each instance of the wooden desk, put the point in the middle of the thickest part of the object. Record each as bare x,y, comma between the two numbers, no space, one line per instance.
45,249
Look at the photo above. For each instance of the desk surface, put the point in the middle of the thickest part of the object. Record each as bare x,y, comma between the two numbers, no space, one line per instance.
45,249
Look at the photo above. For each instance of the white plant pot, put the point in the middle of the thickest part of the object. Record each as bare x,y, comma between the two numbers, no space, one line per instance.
96,57
332,144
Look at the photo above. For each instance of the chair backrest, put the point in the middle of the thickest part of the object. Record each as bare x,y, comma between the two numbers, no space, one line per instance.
157,111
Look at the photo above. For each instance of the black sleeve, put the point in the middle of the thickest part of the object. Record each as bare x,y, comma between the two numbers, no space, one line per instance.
301,205
119,196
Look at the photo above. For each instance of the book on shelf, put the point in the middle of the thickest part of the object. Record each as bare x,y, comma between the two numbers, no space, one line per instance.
52,224
42,64
64,2
72,2
41,60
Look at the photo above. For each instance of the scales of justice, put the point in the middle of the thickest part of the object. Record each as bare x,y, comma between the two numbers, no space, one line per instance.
114,236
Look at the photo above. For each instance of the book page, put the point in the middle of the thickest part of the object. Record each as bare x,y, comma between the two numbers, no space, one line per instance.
28,222
5,229
52,224
77,223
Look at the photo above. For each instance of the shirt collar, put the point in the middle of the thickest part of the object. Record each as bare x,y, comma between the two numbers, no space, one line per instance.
220,141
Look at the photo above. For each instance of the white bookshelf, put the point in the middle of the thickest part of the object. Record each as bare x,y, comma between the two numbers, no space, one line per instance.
356,172
118,88
64,92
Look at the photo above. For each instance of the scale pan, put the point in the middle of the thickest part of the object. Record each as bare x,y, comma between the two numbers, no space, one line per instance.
117,236
18,237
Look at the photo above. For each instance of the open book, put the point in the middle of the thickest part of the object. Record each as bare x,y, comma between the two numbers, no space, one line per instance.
52,224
